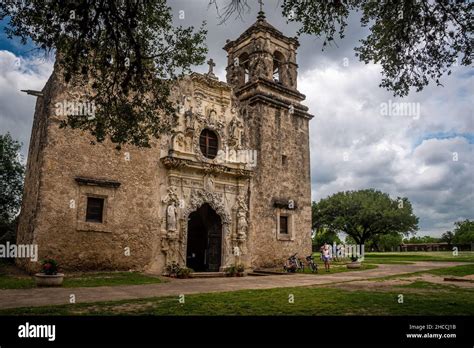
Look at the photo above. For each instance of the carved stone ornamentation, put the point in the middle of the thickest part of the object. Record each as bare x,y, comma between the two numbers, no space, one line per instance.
189,120
217,202
242,223
170,240
235,130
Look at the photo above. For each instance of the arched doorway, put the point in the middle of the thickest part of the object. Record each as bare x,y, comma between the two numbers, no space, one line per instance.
204,240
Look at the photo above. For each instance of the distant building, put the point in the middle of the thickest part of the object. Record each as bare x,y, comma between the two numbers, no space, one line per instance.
434,247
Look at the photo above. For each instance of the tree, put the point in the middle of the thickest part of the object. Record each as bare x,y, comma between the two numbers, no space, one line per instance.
464,232
364,214
324,235
11,185
385,242
447,237
415,42
127,53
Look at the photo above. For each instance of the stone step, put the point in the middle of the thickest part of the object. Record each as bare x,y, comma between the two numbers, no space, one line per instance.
256,274
207,275
268,272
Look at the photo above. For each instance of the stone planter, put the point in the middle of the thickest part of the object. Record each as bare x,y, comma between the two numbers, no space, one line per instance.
354,264
49,280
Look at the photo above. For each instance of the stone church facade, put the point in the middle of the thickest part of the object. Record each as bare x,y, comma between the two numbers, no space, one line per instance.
230,185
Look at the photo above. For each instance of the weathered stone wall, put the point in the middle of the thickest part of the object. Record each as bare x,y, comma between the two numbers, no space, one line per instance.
134,227
276,133
26,232
60,230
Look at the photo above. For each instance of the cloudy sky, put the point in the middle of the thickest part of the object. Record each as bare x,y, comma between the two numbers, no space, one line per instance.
426,156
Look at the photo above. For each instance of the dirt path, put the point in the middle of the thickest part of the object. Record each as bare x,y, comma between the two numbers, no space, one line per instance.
58,296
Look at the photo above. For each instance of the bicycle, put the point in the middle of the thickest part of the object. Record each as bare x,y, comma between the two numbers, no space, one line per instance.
293,264
312,265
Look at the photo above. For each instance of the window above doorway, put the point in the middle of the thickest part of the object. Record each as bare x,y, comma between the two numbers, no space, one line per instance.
209,143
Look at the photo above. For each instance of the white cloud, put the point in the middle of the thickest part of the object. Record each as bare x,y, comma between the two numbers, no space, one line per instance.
16,107
399,155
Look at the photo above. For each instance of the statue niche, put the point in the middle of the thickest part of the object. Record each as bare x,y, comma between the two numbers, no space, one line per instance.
235,132
242,223
170,240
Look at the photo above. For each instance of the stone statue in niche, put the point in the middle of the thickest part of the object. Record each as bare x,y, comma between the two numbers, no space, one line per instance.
242,223
171,217
212,116
188,144
172,201
199,107
189,119
209,182
235,131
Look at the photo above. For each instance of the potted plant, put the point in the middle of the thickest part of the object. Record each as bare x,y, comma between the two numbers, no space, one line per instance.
49,275
355,262
230,271
240,270
184,272
172,270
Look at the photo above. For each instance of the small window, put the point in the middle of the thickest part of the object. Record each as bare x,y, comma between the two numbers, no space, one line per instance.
283,224
95,209
284,160
208,142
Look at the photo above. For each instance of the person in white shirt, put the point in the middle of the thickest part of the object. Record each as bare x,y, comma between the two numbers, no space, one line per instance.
326,256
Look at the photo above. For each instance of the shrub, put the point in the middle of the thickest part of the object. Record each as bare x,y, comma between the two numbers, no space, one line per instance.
49,267
172,269
184,272
231,271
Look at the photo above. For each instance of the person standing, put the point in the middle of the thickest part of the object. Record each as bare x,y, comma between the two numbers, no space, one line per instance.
326,256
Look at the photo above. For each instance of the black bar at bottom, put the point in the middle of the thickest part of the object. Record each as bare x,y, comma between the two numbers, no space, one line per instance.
454,330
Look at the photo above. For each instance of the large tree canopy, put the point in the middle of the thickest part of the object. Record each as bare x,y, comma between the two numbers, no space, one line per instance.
463,232
127,51
364,214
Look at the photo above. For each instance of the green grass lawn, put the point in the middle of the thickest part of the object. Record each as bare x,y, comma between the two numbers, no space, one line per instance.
82,280
420,300
404,257
457,271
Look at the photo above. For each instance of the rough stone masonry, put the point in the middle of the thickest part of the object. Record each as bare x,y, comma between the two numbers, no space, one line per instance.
230,186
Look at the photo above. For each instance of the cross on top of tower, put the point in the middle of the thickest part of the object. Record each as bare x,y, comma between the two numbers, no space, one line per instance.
261,14
211,64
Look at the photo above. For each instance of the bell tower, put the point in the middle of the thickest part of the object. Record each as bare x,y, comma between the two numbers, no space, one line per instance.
262,70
